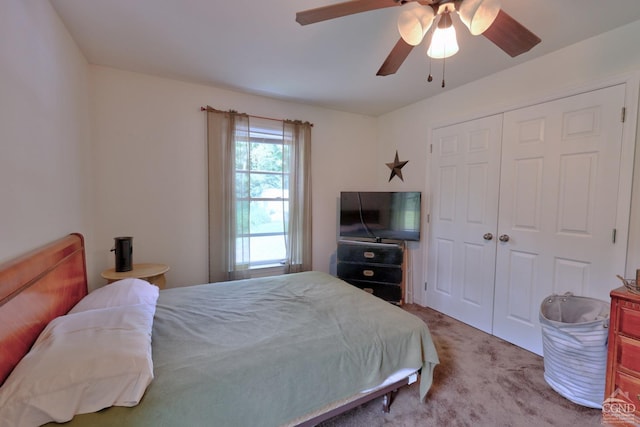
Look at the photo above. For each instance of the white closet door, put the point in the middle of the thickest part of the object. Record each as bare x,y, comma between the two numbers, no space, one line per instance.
558,199
465,174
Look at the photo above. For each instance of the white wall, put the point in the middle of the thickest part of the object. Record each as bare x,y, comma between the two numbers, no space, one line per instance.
135,165
579,66
44,130
149,140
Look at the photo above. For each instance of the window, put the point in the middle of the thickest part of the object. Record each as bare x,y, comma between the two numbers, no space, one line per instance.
262,194
259,195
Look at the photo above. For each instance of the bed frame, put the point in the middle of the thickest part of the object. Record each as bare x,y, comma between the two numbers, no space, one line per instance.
47,282
34,289
387,392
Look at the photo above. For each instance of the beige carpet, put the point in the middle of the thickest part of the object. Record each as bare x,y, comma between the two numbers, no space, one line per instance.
481,381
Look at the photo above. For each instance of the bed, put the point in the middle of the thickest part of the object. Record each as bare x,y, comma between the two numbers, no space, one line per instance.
282,351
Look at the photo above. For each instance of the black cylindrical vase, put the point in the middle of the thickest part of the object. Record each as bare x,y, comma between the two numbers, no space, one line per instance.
124,253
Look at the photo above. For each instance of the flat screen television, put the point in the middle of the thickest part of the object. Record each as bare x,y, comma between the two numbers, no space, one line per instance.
380,215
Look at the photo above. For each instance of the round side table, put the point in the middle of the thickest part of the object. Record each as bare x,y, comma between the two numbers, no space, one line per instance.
152,273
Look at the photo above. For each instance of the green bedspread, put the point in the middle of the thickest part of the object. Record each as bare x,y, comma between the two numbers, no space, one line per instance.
263,352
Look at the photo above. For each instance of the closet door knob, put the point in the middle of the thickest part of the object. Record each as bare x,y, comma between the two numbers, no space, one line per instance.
487,236
504,238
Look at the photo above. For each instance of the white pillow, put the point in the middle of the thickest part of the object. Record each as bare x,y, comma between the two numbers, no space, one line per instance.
128,291
81,363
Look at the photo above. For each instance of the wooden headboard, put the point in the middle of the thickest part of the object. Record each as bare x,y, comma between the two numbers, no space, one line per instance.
34,289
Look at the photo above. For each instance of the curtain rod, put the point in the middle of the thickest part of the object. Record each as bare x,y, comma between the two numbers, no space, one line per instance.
208,108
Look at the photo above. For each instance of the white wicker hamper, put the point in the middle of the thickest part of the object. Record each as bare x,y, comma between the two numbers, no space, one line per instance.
574,345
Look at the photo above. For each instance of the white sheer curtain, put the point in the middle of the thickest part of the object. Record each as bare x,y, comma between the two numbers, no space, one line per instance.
223,128
297,135
228,249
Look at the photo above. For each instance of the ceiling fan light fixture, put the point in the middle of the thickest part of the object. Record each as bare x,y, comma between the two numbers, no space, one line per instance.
414,21
478,15
444,42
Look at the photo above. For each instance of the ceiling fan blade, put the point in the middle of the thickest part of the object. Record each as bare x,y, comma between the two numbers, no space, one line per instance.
510,36
351,7
395,59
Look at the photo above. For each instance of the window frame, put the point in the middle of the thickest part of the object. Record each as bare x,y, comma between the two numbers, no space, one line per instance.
260,133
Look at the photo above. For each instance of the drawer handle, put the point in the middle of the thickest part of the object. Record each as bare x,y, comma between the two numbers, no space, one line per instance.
369,254
368,273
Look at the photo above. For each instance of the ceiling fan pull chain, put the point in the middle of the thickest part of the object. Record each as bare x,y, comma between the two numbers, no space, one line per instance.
444,48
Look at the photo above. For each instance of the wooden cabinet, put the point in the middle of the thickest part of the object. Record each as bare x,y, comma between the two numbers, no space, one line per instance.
152,273
378,268
622,390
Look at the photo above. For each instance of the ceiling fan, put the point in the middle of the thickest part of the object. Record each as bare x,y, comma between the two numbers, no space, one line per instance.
418,16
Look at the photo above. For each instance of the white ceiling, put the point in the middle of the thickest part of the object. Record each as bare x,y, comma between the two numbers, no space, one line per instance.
256,46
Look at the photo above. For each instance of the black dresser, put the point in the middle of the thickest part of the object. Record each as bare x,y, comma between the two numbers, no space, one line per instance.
378,268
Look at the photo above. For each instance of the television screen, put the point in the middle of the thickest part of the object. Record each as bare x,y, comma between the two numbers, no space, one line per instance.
380,215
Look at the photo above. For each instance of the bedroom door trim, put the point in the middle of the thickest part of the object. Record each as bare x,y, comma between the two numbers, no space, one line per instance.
628,201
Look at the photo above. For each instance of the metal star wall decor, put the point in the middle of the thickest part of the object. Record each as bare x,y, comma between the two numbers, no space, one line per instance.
396,167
